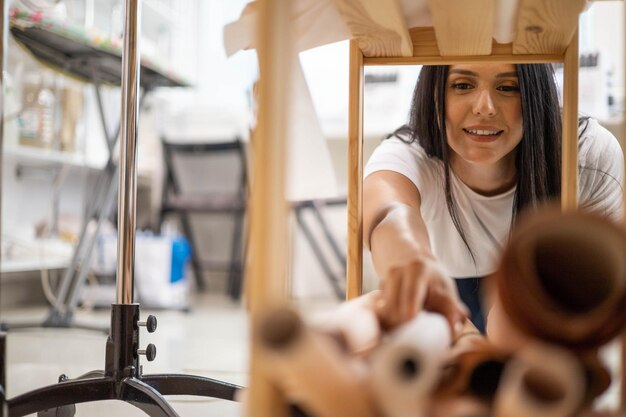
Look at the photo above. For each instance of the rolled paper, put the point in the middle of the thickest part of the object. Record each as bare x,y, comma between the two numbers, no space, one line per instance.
562,279
472,372
354,323
540,381
506,336
407,365
459,406
311,369
503,26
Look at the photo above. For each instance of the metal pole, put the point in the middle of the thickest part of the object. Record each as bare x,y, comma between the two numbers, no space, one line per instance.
128,153
4,35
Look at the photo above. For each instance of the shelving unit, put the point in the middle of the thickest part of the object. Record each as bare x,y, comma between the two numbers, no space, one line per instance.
39,254
29,154
86,55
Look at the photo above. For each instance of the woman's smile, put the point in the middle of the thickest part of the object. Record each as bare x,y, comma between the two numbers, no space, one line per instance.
483,134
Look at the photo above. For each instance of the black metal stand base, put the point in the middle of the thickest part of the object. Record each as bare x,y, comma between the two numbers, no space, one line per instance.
144,392
121,379
4,412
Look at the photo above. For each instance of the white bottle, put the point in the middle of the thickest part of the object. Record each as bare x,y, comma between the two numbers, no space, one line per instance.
37,119
45,100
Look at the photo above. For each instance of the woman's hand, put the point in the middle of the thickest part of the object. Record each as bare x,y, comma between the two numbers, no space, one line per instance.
418,284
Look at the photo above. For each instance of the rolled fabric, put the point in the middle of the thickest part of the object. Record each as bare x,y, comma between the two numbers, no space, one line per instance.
504,21
407,365
540,381
562,279
353,323
311,369
472,372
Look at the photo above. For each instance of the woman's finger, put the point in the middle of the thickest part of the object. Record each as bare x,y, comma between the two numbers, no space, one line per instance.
409,285
390,292
421,293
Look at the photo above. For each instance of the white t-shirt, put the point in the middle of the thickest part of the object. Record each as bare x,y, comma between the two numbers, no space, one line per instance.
486,221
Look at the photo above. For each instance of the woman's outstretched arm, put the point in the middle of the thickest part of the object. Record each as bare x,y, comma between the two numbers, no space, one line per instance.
411,278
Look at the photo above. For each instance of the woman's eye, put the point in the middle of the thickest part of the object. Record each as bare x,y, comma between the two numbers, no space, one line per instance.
461,86
508,88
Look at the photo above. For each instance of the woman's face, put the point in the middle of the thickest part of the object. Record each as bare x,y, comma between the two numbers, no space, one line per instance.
483,112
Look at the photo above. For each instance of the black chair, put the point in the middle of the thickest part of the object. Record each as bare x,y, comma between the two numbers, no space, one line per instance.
337,279
216,195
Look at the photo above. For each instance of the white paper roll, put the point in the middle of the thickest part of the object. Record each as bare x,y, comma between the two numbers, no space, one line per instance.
505,20
407,365
541,381
311,370
355,321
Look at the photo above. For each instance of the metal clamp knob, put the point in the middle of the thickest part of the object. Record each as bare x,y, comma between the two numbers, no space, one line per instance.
150,324
149,351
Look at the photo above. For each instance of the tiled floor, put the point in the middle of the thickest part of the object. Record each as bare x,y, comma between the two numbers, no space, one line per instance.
210,341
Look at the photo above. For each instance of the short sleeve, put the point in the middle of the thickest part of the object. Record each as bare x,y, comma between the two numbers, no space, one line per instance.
601,172
410,160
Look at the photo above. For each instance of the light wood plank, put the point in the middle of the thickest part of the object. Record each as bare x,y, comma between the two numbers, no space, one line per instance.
355,175
569,178
426,52
268,206
622,404
462,27
546,26
377,25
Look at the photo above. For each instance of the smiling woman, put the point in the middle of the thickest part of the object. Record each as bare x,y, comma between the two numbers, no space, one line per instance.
484,125
440,195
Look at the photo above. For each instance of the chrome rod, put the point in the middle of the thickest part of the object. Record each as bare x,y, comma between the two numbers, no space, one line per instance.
4,41
128,153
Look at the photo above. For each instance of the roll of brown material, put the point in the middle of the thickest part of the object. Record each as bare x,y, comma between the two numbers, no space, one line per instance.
541,381
472,372
562,279
311,369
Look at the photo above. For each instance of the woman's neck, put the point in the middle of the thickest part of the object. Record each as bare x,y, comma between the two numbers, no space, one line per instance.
486,179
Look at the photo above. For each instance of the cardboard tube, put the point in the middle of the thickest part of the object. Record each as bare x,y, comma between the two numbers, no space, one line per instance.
472,372
407,366
541,381
311,369
562,279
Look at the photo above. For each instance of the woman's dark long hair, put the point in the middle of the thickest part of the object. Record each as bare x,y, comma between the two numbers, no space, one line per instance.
538,157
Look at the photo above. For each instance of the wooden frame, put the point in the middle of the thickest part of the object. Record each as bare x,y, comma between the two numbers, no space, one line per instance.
266,267
622,405
546,32
426,52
